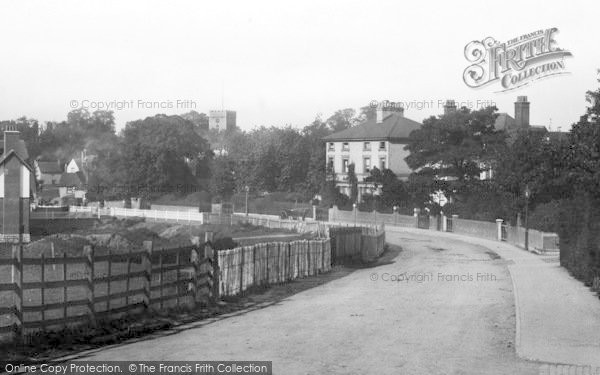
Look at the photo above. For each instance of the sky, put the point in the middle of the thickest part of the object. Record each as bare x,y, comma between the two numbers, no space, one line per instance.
277,62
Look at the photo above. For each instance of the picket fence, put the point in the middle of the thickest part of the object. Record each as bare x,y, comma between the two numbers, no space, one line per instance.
270,263
198,218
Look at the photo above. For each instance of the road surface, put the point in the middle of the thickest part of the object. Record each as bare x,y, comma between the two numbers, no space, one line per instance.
441,306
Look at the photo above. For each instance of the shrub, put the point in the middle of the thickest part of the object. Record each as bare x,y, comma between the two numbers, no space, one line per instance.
224,243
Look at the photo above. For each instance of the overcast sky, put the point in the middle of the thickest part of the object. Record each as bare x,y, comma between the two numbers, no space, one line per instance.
277,62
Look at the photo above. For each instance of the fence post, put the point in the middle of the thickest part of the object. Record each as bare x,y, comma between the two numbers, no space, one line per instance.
88,252
499,228
17,255
241,269
147,265
444,223
65,289
216,274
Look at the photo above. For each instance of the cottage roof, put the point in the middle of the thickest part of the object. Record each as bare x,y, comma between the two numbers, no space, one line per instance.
72,180
49,167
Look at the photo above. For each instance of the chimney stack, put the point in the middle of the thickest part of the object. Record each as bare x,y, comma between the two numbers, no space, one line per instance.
522,112
450,106
11,139
386,108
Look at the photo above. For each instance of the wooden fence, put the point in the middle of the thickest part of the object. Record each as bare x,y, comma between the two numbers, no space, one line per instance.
53,292
356,243
269,263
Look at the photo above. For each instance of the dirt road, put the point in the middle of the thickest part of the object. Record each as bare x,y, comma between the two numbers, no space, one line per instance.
441,306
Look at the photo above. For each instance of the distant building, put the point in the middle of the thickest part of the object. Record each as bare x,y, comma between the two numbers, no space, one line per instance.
377,142
222,120
47,172
16,177
72,188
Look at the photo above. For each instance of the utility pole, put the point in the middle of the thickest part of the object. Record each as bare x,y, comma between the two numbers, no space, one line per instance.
247,189
527,194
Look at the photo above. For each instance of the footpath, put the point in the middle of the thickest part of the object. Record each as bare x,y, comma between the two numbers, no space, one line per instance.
557,316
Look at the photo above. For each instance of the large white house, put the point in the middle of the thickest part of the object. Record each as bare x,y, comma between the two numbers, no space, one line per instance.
377,142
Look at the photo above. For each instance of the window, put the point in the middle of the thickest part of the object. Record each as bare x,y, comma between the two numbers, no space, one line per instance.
345,146
382,145
367,164
367,146
382,163
331,146
345,163
330,164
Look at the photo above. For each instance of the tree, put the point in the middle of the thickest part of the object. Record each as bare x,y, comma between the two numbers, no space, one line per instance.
393,190
353,181
536,160
156,154
342,119
223,177
454,146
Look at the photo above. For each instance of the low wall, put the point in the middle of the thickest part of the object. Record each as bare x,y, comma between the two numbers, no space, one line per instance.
335,214
540,241
474,228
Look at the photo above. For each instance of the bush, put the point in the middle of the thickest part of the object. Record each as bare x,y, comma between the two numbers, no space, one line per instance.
224,243
579,232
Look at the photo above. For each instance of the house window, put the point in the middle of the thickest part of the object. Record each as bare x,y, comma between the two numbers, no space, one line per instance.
382,163
367,146
345,163
382,145
331,146
345,146
367,164
330,164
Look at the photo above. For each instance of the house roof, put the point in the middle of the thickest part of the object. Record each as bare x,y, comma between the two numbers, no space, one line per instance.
71,179
504,121
49,167
9,154
393,127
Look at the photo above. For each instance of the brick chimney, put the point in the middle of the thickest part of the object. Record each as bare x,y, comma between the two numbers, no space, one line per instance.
11,139
521,112
450,106
386,108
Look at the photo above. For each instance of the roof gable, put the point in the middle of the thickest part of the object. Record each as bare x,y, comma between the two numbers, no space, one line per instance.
12,153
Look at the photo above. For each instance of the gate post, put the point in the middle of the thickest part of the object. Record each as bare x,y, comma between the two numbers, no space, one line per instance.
499,227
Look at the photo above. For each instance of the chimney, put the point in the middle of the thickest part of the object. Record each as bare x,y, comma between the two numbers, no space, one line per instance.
522,112
386,108
449,107
11,139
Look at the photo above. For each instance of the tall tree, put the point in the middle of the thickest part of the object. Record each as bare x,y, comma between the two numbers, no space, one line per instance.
157,152
454,146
